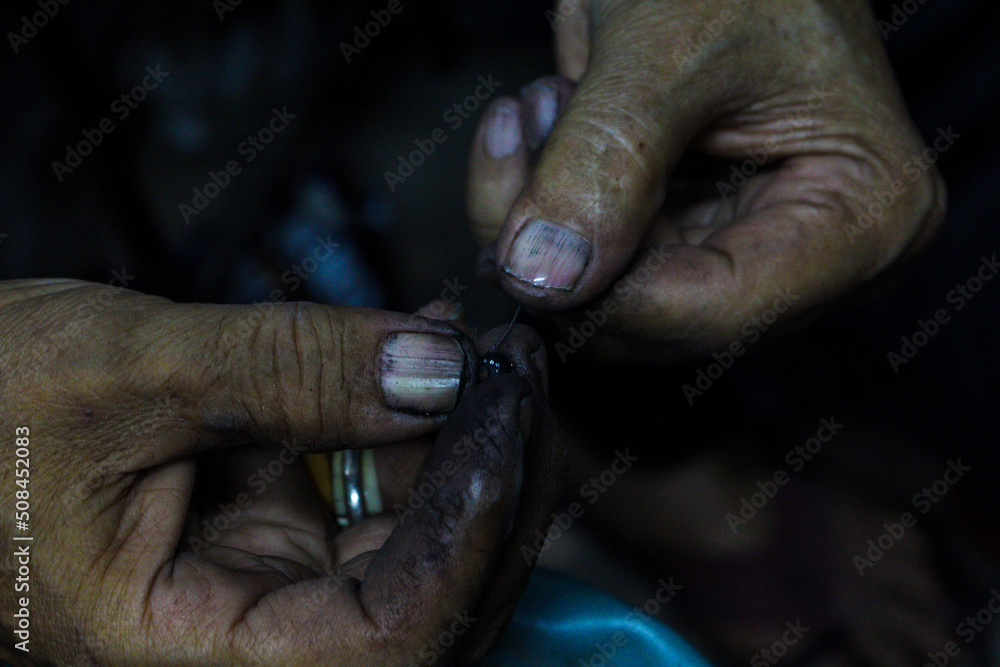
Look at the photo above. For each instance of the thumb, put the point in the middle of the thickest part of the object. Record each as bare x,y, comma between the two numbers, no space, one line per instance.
601,176
320,376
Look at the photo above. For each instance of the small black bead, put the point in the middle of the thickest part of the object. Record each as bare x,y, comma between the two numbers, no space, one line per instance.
493,364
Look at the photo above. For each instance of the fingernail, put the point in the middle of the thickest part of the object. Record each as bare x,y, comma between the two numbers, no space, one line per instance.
421,372
442,310
548,255
542,102
503,132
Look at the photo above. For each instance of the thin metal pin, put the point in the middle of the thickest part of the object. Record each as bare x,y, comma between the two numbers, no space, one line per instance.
507,330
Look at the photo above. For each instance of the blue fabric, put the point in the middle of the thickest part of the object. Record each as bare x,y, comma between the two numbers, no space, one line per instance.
562,622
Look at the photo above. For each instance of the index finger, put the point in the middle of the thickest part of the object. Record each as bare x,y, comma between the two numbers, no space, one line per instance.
428,577
322,376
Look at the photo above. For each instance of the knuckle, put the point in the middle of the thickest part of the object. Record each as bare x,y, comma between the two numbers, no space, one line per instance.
286,344
294,351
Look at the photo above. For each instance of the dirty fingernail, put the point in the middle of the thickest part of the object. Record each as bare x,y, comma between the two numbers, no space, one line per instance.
503,132
421,372
548,255
542,103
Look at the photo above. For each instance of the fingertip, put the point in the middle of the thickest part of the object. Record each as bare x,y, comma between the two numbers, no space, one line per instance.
542,102
548,255
553,266
437,558
597,185
316,374
502,132
500,135
498,168
524,348
445,311
422,372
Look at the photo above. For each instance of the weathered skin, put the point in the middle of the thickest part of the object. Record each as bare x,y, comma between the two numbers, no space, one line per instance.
152,417
657,101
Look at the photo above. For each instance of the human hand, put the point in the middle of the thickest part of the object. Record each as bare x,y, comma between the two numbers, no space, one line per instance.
599,191
173,522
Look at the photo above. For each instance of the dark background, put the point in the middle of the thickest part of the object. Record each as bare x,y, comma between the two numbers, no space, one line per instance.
119,209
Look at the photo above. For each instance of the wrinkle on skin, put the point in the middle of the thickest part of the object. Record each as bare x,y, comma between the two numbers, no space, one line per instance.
119,565
746,104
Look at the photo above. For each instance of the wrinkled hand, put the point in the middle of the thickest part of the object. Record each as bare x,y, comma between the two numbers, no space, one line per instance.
696,163
173,522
